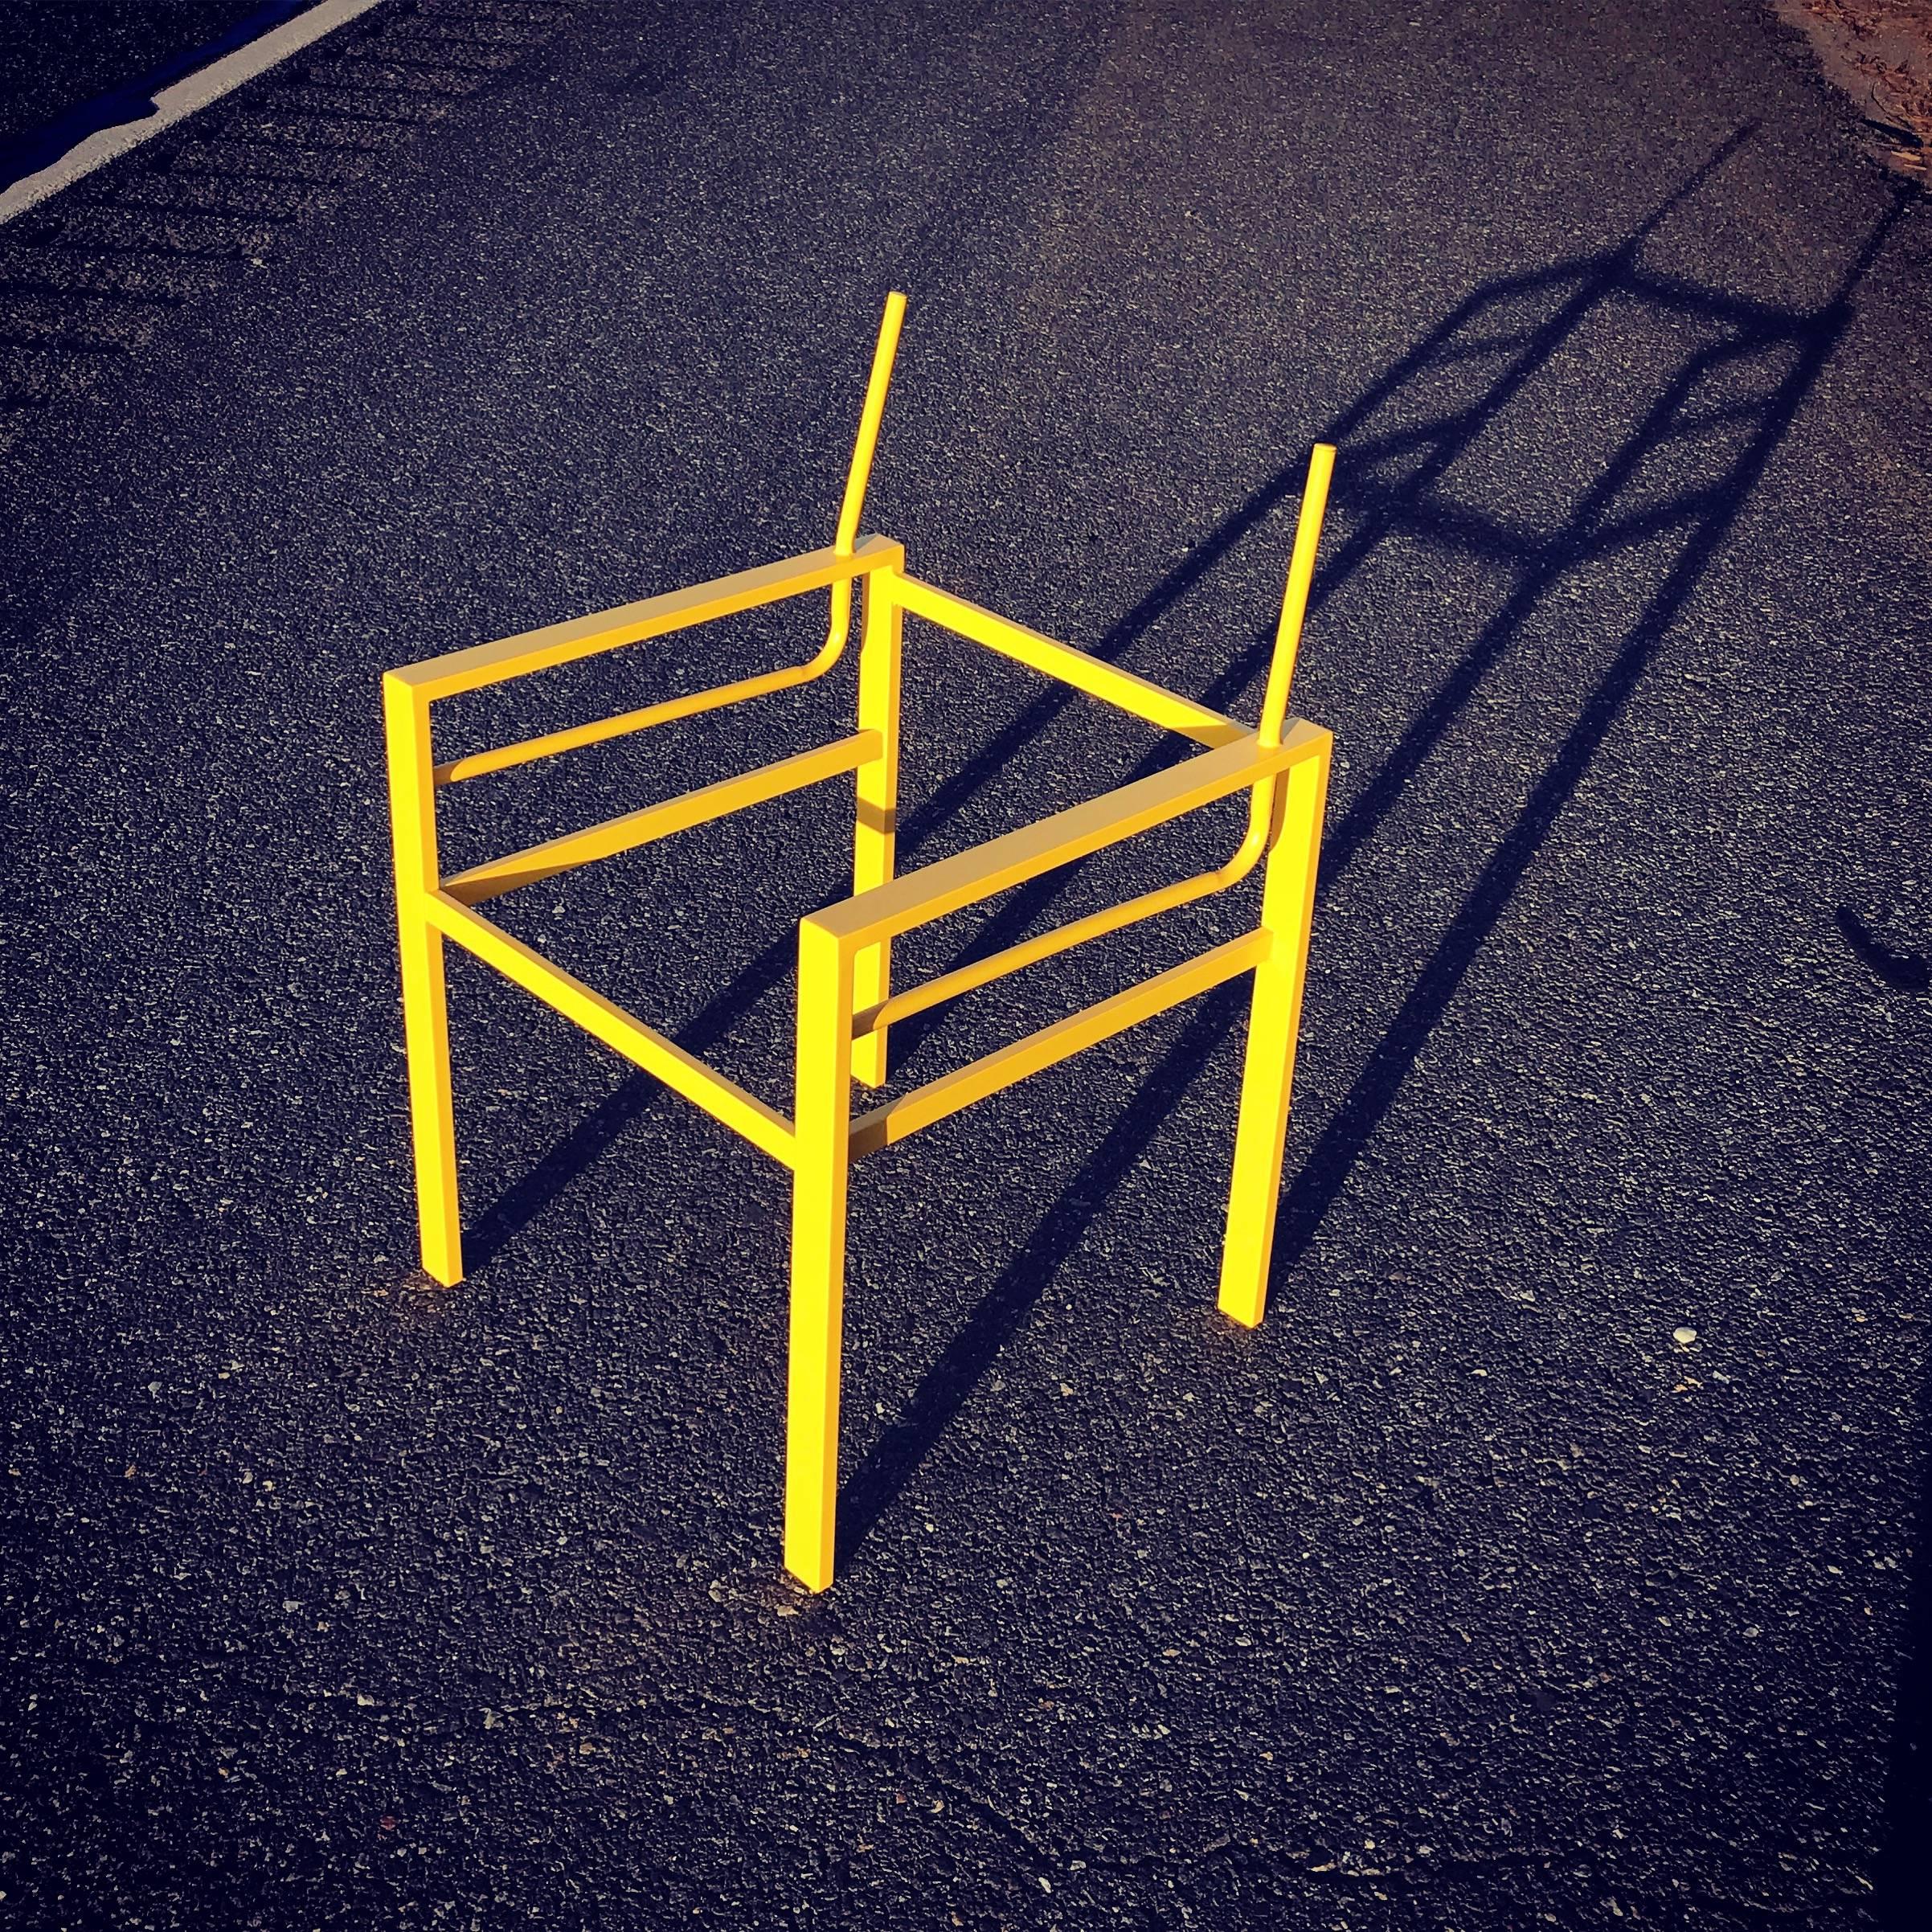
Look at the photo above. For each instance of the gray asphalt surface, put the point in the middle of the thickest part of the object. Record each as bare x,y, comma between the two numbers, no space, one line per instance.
1458,1596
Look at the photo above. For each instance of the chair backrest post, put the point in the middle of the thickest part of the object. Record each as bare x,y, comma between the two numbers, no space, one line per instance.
884,353
1295,595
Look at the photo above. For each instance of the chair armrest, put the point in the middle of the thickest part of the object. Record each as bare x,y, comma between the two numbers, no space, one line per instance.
488,664
916,899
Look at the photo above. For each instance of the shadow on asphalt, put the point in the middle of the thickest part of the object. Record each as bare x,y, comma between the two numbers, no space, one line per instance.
1762,360
1902,972
1714,424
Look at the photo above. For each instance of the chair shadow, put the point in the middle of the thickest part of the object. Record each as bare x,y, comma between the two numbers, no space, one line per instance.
1796,344
1761,360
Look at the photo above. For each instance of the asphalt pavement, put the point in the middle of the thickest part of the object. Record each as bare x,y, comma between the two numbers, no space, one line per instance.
54,63
1466,1592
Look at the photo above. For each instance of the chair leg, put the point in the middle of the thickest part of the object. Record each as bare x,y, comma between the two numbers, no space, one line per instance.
425,1005
821,1165
1267,1079
878,784
432,1109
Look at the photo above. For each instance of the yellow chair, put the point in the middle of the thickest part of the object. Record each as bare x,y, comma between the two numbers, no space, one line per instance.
846,1005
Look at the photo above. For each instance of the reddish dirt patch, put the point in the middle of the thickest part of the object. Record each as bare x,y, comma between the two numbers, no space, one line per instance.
1880,53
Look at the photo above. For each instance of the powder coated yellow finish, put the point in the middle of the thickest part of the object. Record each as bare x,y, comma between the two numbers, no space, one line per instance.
861,751
845,1004
875,836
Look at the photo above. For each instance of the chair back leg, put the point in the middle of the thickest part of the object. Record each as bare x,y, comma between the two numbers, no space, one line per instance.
878,785
1267,1080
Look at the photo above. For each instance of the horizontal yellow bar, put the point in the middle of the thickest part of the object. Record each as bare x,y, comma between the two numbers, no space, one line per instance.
488,664
916,899
765,1127
631,830
601,730
1029,952
1084,672
898,1119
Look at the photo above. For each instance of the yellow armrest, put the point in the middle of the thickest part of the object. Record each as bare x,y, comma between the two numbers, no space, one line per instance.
917,899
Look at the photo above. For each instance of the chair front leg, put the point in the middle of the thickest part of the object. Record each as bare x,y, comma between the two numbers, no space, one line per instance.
425,1007
821,1165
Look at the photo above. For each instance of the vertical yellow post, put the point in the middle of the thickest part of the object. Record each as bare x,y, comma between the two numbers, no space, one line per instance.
878,789
1294,805
820,1167
852,507
1267,1080
425,1015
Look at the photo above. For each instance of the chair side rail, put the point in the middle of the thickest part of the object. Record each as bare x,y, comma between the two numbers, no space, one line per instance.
918,898
483,664
630,829
1153,703
897,1119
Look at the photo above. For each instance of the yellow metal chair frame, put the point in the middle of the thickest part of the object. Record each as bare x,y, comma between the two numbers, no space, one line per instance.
845,1006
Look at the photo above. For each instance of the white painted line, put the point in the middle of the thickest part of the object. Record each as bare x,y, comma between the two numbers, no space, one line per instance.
177,103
